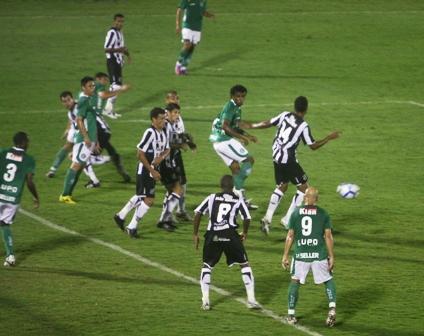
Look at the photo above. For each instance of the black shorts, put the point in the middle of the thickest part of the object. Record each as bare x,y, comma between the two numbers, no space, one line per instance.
168,175
103,136
145,184
180,167
289,172
115,71
227,241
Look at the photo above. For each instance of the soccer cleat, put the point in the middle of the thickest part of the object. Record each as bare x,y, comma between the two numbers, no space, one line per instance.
166,225
90,184
51,174
265,224
253,305
119,221
206,306
132,232
291,319
285,222
178,68
183,216
99,159
111,114
66,199
331,318
10,261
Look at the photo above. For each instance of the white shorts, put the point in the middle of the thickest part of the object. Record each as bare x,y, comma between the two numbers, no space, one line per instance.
70,135
8,212
300,269
231,150
81,153
192,35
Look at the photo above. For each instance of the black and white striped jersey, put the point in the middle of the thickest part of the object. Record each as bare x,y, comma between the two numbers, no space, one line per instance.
291,129
115,39
153,143
223,209
72,116
101,122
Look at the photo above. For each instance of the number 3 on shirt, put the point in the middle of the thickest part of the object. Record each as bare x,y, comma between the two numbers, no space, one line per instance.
11,169
306,226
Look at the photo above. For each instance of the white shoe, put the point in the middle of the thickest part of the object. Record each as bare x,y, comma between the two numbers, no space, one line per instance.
253,305
265,224
110,114
206,305
99,159
331,318
285,222
291,319
10,261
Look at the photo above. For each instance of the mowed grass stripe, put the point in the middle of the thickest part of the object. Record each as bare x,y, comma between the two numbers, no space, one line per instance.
161,267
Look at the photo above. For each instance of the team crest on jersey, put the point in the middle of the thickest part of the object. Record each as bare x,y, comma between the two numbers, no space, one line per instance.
13,157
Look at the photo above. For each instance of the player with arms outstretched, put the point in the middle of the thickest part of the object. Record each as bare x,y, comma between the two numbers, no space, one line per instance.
310,232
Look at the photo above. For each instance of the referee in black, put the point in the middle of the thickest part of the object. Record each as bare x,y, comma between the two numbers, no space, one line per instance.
115,50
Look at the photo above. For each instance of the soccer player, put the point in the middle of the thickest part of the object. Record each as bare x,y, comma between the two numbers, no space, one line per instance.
310,231
193,12
69,103
16,167
173,98
292,128
222,236
103,130
115,51
152,150
226,128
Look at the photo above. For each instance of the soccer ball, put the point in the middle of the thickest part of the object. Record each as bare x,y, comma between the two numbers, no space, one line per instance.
348,190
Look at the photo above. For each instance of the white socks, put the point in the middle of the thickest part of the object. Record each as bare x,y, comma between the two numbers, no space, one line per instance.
131,204
138,214
249,283
181,204
169,206
275,199
296,201
89,171
205,281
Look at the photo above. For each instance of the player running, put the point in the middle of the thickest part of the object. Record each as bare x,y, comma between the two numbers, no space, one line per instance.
226,128
310,231
292,128
16,167
222,237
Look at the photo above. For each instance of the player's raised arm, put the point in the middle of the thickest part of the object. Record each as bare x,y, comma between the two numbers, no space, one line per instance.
322,142
287,247
259,125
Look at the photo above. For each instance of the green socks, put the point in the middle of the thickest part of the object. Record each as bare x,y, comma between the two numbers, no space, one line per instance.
71,179
183,58
60,156
293,296
7,238
330,290
245,170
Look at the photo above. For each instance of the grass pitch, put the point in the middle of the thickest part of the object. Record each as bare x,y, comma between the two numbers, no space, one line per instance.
359,63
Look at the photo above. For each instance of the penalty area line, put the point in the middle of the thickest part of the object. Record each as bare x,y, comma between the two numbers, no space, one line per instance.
161,267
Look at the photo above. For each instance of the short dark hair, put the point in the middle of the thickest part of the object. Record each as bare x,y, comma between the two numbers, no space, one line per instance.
66,94
301,104
227,182
172,93
101,75
118,15
20,138
86,79
237,89
172,106
155,112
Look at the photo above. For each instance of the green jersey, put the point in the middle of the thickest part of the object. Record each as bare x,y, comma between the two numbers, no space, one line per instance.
193,13
87,107
101,103
309,224
230,112
15,164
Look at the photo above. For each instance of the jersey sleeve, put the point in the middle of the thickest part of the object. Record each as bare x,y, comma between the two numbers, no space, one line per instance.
146,140
276,121
82,108
244,211
307,137
110,39
227,113
203,208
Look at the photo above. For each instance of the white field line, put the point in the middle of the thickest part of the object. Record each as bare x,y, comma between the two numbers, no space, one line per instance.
205,107
284,13
159,266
